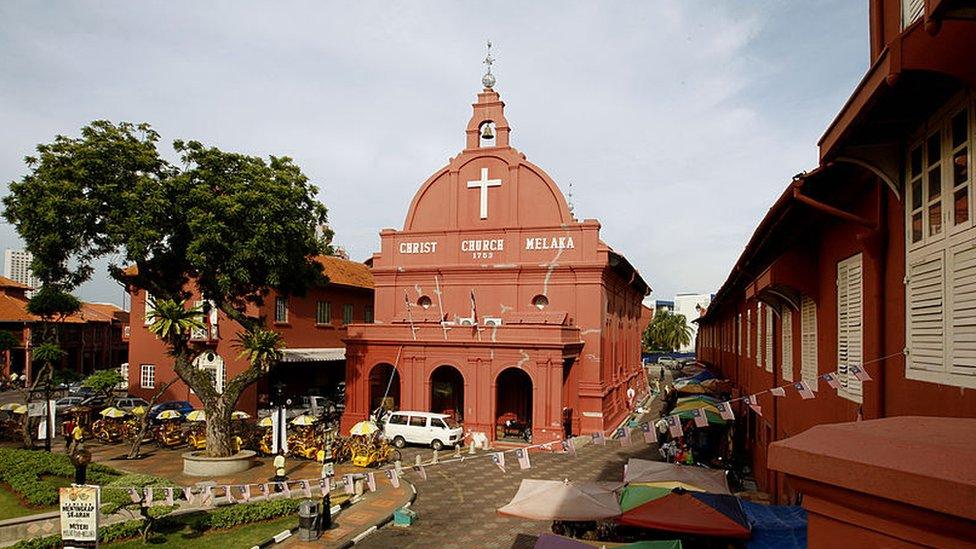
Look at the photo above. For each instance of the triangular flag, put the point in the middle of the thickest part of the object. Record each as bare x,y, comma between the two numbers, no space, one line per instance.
349,484
169,496
523,458
674,426
419,469
778,392
725,410
228,494
264,490
371,481
188,494
149,496
754,404
623,434
569,447
392,476
134,495
208,499
804,390
599,439
699,416
246,492
831,380
498,458
649,436
306,489
860,373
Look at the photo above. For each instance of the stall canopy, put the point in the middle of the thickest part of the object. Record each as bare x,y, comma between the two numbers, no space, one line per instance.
674,475
775,526
695,513
564,500
324,354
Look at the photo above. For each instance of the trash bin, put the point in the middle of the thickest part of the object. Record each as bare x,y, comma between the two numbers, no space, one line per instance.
308,520
404,517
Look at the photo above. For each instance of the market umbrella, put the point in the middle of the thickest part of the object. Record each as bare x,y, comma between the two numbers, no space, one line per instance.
552,541
694,405
139,410
265,422
696,513
113,412
19,409
306,419
197,415
717,385
674,475
639,494
690,388
169,414
711,414
10,406
708,399
364,428
238,414
563,500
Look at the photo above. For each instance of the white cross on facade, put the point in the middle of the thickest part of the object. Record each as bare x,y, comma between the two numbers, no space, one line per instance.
483,184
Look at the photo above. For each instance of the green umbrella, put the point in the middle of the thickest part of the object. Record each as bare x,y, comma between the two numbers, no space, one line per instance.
634,495
713,418
698,398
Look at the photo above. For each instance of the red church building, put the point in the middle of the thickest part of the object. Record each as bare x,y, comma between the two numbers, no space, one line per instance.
495,303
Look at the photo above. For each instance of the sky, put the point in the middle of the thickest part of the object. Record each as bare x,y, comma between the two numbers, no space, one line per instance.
678,123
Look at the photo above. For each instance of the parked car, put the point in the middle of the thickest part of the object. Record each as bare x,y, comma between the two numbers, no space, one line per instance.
77,389
129,403
181,406
437,430
96,402
62,404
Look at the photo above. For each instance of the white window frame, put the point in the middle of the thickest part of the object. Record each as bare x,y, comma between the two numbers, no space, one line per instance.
850,325
147,376
911,11
768,354
809,369
327,306
148,308
348,313
786,344
759,336
217,368
940,285
281,306
749,332
738,334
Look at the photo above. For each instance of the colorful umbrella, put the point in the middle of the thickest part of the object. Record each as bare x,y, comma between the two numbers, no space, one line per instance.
552,541
708,399
563,500
113,412
265,422
694,405
10,406
639,494
712,416
19,409
139,410
169,414
673,475
197,415
364,428
238,414
690,388
694,513
306,419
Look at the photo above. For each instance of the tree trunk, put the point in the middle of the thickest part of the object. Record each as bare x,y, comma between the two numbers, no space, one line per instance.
219,440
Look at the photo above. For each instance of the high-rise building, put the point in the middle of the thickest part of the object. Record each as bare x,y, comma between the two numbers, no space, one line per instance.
16,266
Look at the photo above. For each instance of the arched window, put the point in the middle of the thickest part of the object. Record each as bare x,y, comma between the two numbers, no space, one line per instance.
540,302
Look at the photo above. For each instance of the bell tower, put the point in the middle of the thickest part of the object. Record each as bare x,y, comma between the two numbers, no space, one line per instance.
488,121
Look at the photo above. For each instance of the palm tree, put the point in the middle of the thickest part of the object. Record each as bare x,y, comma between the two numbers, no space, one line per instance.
172,322
668,332
261,348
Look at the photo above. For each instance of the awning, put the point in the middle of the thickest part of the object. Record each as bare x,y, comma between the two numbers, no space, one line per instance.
322,354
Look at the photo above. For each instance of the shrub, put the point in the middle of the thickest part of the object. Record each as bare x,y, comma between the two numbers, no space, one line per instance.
245,513
28,471
115,499
106,534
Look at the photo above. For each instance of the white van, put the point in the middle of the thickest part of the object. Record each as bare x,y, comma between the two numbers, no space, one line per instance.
437,430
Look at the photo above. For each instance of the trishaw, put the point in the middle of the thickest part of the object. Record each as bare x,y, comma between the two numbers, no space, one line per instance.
509,425
168,434
196,436
372,451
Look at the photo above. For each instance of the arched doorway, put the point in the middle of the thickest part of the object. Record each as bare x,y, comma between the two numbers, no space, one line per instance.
513,405
379,380
447,392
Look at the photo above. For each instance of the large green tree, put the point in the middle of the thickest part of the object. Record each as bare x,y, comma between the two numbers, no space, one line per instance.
226,226
667,332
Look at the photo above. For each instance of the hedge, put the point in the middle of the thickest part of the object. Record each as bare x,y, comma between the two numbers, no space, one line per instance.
24,471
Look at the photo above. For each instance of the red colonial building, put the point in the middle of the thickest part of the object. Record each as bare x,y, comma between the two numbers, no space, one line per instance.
313,327
870,260
494,302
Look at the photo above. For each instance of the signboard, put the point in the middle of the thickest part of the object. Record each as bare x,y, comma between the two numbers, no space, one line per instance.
79,516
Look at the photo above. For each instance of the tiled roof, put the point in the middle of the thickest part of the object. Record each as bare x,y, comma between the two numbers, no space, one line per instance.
14,310
10,283
346,273
103,312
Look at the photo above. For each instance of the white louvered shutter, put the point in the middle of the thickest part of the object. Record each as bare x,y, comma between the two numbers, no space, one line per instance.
808,341
748,333
769,339
787,344
911,11
850,335
962,320
738,334
926,306
759,335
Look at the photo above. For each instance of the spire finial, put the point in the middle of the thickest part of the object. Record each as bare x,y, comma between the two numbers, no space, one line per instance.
488,79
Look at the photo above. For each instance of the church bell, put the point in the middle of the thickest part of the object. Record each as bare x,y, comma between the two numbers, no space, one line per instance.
487,133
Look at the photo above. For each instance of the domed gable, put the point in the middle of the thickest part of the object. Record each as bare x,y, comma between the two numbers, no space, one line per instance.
489,185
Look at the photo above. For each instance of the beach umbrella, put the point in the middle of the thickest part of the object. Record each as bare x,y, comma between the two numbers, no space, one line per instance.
139,410
197,415
717,385
113,412
19,409
674,475
169,414
563,500
238,414
265,422
364,428
712,416
695,513
694,405
10,406
707,399
638,494
552,541
305,419
690,388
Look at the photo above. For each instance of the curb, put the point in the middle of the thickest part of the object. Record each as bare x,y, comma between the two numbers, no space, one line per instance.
285,534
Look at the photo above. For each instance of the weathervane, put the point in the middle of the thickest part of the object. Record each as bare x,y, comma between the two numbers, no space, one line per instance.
488,79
